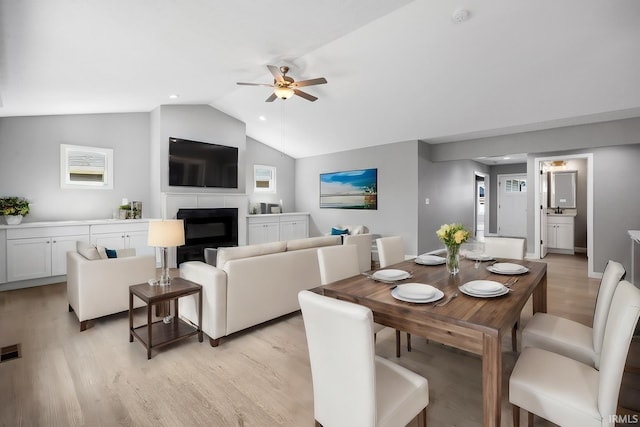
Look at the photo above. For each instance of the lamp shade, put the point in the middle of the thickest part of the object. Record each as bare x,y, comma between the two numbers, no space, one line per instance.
283,92
166,233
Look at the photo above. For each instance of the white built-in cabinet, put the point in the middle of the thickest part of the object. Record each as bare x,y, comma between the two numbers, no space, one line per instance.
560,234
120,236
39,250
275,227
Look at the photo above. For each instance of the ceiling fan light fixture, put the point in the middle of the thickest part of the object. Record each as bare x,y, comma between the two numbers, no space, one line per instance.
283,92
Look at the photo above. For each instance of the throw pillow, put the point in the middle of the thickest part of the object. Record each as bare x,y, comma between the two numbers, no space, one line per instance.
338,231
111,253
86,250
102,251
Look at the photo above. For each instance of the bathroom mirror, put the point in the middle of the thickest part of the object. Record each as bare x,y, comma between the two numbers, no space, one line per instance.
563,189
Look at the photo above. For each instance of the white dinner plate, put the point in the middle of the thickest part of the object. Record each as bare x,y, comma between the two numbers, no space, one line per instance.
484,287
416,291
479,257
430,260
465,290
507,268
391,274
436,296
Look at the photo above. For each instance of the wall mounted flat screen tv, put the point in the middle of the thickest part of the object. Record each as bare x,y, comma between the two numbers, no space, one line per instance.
200,164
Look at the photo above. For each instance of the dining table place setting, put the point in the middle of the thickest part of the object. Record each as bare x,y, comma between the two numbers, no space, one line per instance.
389,275
484,289
417,293
507,268
430,259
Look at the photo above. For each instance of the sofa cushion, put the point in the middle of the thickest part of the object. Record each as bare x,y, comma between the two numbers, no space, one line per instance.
126,252
238,252
339,231
87,250
313,242
111,253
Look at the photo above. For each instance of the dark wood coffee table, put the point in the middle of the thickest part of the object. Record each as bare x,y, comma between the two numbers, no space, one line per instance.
157,334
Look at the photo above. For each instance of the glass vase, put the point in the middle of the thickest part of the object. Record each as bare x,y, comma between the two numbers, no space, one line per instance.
453,259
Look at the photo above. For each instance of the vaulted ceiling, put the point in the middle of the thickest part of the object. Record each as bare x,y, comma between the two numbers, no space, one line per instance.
397,70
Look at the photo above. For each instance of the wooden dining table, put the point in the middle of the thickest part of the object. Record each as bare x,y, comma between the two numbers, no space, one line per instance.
473,324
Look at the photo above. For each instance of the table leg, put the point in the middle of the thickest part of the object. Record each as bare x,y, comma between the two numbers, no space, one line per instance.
540,296
200,315
130,317
149,327
491,380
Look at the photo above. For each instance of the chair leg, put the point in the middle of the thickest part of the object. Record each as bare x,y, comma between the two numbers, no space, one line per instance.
408,341
514,337
530,419
516,415
422,417
397,343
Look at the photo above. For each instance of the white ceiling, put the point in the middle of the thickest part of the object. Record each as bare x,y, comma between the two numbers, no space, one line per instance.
397,70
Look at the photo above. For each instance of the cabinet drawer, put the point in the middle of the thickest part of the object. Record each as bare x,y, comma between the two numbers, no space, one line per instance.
293,218
262,220
559,220
28,233
119,227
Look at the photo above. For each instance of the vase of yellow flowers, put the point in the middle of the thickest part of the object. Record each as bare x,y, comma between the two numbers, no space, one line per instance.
453,235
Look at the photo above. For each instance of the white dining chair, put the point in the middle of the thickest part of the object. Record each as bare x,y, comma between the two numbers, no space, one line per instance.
339,262
351,385
363,243
570,338
504,247
391,251
568,392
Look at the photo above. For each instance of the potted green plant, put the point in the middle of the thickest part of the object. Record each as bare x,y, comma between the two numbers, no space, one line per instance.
13,209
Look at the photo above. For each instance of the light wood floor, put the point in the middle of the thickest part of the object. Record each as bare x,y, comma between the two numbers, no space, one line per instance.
258,378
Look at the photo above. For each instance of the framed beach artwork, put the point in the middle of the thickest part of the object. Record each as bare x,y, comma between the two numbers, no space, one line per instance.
355,189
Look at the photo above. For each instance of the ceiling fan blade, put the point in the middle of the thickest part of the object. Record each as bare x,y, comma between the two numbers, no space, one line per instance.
305,95
271,98
254,84
276,73
318,81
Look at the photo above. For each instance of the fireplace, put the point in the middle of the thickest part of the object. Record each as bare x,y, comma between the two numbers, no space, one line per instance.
206,228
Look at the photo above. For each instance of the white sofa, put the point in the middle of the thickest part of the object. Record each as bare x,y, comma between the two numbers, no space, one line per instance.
252,284
98,287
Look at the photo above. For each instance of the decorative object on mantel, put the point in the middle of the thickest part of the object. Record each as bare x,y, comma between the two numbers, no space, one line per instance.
453,235
14,209
131,210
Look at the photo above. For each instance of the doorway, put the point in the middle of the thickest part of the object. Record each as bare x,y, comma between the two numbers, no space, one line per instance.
481,205
539,218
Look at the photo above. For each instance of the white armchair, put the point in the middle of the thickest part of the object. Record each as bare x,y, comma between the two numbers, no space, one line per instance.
100,287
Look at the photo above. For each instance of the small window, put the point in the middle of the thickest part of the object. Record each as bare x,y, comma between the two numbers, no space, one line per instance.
86,167
264,179
515,186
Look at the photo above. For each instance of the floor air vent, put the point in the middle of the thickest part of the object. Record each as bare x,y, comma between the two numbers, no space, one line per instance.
9,352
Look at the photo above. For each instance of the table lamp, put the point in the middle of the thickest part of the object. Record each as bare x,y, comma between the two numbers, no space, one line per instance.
165,234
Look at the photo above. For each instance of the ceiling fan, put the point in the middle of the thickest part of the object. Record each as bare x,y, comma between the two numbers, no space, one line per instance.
285,87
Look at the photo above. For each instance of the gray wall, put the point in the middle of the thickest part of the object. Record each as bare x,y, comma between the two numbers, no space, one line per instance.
397,166
450,188
261,154
616,150
30,162
30,158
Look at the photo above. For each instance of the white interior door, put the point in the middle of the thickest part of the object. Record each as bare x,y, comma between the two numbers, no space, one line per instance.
512,205
543,213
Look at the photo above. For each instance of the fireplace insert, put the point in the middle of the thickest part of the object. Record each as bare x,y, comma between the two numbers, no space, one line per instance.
206,228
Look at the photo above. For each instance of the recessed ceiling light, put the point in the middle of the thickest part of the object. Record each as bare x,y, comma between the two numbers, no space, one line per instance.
262,118
460,15
506,158
174,96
